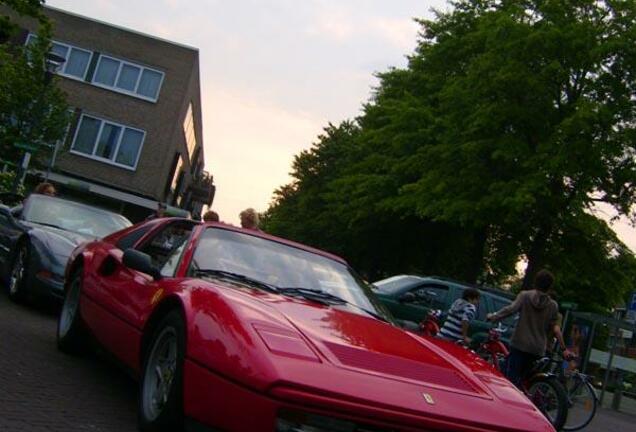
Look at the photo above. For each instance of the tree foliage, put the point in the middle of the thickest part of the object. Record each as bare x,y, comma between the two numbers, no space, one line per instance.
510,122
32,8
33,110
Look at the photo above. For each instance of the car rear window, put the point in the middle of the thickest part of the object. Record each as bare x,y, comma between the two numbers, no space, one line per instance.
396,283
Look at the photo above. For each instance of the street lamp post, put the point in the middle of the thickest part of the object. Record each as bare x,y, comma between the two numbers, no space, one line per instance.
52,63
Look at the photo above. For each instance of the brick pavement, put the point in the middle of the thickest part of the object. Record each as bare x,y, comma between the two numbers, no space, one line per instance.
42,389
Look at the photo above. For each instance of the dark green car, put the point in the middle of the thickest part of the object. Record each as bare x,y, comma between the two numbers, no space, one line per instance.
426,293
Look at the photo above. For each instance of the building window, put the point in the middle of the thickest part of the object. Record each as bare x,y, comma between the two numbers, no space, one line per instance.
129,78
177,172
108,142
188,130
76,59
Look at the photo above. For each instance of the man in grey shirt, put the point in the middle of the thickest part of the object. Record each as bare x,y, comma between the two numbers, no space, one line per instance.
538,316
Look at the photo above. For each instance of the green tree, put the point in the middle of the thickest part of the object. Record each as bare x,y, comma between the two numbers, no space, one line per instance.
512,118
33,110
594,268
32,8
319,208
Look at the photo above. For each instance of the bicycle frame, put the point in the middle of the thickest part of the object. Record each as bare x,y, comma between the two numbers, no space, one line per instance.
495,348
430,325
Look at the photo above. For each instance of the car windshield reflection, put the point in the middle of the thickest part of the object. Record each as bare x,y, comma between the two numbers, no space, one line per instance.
280,265
71,216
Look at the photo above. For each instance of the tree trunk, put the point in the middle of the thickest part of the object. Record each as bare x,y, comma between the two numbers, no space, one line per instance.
476,258
535,256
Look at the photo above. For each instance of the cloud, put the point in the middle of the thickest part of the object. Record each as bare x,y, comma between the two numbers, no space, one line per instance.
334,26
399,32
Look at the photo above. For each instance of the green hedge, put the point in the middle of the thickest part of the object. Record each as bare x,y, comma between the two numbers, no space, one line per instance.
6,182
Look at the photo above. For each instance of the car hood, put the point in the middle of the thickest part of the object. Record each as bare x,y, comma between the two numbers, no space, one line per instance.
58,242
355,341
378,352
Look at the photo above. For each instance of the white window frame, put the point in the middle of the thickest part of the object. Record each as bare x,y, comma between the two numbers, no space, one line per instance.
69,47
191,151
99,133
123,91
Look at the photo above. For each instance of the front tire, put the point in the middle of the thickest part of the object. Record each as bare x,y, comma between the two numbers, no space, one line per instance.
551,398
161,383
19,273
582,403
70,328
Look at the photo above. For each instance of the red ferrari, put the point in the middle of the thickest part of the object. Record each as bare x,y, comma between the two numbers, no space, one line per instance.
236,330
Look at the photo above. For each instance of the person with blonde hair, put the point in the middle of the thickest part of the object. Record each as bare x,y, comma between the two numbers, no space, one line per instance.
249,219
45,188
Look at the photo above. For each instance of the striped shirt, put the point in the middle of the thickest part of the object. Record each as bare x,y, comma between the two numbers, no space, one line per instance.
460,311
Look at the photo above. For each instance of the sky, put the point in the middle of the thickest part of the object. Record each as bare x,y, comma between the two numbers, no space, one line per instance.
274,73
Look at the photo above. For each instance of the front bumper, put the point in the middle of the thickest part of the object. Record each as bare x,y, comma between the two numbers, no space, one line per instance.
212,403
49,284
44,283
220,403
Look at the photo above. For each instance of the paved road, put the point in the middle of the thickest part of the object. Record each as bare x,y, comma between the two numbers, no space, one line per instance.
42,389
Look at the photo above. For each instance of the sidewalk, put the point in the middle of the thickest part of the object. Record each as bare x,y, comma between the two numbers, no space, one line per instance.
607,420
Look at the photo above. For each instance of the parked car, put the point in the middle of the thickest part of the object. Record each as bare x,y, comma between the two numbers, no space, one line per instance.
410,298
37,238
235,330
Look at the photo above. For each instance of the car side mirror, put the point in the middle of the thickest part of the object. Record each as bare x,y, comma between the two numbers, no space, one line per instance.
141,262
408,297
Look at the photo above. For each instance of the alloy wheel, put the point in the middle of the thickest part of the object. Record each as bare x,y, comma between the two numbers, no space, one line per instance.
70,308
17,272
159,373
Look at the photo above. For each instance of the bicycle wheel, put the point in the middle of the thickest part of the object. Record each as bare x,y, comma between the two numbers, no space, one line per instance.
549,396
581,402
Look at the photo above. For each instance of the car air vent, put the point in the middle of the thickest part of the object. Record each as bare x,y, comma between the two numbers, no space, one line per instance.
401,367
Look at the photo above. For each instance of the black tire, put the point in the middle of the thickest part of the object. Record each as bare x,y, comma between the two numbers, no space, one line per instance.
167,382
19,275
582,403
549,396
71,333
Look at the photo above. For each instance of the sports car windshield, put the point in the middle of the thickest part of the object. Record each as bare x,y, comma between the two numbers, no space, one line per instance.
71,216
285,268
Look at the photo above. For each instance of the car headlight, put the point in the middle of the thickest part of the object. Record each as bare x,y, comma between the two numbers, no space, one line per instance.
295,421
286,343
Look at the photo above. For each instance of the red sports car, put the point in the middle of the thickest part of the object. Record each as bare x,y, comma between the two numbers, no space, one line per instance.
236,330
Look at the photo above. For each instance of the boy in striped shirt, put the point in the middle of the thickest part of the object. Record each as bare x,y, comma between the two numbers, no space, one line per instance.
460,314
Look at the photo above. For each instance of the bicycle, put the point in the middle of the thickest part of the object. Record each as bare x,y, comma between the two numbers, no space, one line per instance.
581,396
540,385
430,325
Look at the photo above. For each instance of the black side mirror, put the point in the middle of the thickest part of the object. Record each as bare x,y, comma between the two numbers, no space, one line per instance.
408,297
141,262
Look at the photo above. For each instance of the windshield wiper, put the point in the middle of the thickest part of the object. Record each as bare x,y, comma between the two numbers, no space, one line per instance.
236,276
319,295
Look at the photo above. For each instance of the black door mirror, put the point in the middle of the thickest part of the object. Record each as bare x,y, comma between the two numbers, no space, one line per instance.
141,262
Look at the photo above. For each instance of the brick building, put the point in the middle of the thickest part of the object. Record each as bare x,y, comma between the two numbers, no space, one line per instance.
136,132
